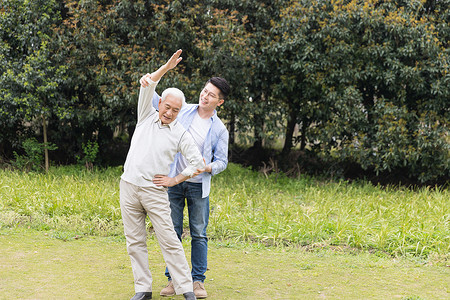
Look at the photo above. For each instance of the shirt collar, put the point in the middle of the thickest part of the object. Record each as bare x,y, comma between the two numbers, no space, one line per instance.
171,125
212,117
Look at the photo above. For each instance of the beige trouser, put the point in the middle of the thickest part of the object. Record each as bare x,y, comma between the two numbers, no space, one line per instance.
136,203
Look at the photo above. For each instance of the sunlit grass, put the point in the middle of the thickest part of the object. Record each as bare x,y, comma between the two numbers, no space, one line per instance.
246,207
304,211
67,198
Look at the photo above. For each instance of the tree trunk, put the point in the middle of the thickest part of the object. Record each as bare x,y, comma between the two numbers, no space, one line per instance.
258,132
44,124
305,125
232,128
258,123
289,133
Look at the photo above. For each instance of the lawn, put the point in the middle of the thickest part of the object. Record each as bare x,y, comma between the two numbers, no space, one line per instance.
41,265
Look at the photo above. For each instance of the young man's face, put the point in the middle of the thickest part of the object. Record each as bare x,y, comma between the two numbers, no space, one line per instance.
209,97
169,109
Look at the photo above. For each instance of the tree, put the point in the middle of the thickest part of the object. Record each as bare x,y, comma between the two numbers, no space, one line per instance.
299,53
30,74
381,70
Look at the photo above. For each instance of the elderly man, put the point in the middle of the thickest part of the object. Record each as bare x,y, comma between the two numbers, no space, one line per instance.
143,186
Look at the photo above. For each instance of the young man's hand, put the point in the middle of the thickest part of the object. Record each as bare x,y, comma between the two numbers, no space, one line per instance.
145,80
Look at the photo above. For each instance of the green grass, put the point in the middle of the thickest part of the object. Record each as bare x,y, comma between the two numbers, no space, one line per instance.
304,211
246,207
67,198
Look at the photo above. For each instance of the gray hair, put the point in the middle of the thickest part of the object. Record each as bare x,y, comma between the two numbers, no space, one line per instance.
174,92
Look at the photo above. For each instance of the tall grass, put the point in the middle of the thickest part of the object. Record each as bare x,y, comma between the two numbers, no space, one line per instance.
66,198
246,206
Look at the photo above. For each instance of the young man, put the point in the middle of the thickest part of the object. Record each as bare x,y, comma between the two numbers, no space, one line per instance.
156,140
211,137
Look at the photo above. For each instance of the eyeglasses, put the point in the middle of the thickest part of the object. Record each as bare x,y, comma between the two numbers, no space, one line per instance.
209,94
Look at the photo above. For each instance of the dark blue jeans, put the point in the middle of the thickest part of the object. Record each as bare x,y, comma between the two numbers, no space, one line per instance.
198,212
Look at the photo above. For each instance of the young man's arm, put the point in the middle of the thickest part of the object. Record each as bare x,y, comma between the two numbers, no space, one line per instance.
220,159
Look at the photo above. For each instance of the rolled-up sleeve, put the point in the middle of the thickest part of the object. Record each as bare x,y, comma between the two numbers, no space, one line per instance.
220,159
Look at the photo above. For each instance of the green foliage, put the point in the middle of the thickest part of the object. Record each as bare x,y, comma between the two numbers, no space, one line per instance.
364,79
33,158
404,140
30,72
90,150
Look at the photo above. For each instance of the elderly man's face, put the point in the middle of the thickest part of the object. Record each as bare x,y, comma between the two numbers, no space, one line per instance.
169,109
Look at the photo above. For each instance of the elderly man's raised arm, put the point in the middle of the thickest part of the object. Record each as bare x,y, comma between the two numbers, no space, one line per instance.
169,65
148,85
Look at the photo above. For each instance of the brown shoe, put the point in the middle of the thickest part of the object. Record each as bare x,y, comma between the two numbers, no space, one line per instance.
168,290
199,290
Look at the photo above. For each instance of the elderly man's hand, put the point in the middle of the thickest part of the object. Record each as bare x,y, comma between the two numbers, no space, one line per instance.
163,180
173,61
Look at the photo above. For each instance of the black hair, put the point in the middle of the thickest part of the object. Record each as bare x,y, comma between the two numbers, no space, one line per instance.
221,84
